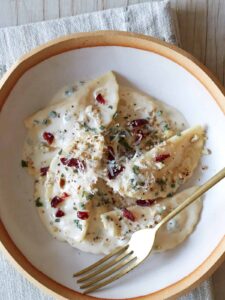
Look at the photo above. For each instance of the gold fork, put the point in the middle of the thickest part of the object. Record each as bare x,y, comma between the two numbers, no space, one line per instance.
125,258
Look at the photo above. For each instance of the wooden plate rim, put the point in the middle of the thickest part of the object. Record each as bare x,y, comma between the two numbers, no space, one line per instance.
124,39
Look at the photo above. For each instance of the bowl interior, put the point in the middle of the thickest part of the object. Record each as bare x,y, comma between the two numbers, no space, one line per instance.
153,74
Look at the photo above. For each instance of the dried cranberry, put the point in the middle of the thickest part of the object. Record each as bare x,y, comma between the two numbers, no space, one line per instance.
83,215
162,157
63,160
100,99
138,122
49,137
114,171
43,171
111,154
59,213
128,214
74,162
65,195
145,202
77,163
56,201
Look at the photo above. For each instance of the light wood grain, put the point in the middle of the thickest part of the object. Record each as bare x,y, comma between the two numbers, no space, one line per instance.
201,22
202,31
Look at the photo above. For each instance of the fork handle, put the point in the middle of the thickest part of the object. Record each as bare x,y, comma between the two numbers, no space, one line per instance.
201,190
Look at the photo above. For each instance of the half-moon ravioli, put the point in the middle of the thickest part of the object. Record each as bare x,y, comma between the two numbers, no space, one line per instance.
70,185
162,170
170,235
53,128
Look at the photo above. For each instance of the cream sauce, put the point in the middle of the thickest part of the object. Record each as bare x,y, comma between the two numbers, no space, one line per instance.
89,193
171,234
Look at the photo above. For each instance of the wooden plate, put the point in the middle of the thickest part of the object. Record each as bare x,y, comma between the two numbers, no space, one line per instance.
166,72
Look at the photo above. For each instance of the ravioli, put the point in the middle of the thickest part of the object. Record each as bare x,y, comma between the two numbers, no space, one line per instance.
162,170
53,128
171,234
106,86
95,238
70,184
139,123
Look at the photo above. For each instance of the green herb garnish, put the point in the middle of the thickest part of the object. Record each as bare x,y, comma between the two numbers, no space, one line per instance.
166,127
160,181
136,169
159,113
24,164
88,128
45,121
87,195
82,205
38,203
70,91
77,222
52,114
133,183
169,195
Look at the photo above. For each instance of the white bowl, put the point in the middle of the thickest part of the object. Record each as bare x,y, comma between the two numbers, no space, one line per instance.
163,71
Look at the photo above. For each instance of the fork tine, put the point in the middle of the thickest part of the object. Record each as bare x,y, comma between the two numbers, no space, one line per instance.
110,272
113,278
99,262
106,266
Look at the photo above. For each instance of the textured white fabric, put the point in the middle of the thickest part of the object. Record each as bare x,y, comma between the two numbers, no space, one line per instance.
152,18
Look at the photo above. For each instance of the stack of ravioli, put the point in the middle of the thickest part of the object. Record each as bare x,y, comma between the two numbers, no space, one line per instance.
107,161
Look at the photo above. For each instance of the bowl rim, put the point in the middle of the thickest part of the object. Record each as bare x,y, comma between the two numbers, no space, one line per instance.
123,39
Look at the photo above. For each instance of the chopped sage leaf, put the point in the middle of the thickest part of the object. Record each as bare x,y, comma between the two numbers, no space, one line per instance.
45,121
24,164
69,91
166,127
77,222
38,203
169,195
52,114
136,169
